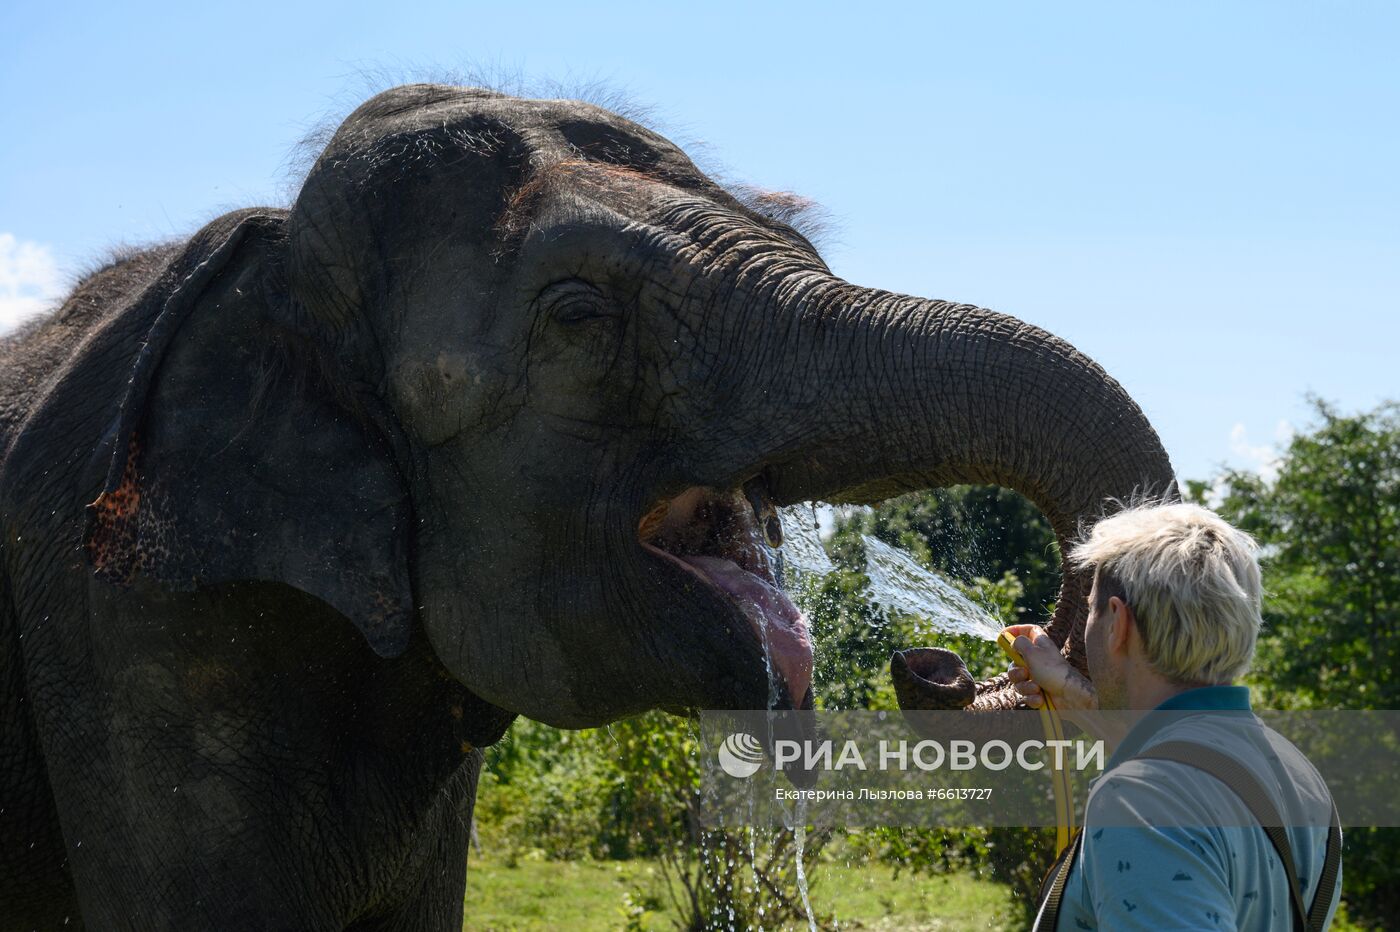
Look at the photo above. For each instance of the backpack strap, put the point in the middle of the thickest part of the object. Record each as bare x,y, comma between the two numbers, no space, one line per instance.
1247,787
1052,888
1331,868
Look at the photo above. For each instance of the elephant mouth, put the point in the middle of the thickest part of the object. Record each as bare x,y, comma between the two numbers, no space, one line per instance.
728,541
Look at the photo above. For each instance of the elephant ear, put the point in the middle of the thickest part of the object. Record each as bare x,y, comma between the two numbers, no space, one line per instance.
234,457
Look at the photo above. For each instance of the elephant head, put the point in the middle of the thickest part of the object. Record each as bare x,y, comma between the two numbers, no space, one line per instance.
517,375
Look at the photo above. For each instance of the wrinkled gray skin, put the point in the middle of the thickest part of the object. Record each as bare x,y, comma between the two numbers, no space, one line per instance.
298,514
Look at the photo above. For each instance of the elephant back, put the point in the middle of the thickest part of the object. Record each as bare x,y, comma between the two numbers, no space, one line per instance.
37,350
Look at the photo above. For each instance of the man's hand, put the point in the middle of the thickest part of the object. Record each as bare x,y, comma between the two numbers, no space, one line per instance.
1048,672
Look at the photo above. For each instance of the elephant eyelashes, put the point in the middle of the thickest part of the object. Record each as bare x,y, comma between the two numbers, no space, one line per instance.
575,301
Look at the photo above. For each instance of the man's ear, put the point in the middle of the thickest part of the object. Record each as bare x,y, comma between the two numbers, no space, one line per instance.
1122,625
238,454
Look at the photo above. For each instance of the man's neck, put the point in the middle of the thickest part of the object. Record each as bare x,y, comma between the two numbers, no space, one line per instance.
1149,690
1143,693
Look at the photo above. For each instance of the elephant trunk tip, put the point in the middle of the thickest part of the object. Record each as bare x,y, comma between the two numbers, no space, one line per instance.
931,679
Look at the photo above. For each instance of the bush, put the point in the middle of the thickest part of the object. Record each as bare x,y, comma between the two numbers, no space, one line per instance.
1329,527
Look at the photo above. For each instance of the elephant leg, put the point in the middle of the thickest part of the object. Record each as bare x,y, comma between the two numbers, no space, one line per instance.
248,848
238,758
160,839
36,889
435,894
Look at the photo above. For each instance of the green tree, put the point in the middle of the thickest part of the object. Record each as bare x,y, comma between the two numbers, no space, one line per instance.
1329,530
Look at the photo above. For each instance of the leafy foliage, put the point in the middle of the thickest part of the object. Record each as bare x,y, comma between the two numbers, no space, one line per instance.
1329,528
631,790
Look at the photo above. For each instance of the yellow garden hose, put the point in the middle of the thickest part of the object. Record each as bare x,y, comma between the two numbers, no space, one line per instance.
1059,776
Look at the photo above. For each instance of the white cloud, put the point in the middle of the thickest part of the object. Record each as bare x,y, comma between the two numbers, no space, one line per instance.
29,280
1262,458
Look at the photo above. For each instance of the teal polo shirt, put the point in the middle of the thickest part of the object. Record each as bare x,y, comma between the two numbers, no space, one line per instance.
1167,846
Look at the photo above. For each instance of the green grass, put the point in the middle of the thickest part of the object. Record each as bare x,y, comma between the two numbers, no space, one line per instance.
587,895
537,894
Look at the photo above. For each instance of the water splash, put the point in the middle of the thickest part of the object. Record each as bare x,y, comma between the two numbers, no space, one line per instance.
802,543
898,582
799,841
803,552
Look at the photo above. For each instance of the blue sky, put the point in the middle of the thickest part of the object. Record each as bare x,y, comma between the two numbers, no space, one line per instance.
1203,197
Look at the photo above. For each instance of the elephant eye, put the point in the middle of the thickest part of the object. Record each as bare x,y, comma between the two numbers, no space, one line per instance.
575,301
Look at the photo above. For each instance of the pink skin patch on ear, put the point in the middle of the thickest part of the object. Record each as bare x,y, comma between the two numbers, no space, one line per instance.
123,537
112,540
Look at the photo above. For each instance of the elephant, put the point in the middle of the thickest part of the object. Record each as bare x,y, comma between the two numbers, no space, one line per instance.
301,512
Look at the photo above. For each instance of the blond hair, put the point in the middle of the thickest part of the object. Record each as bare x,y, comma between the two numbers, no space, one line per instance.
1192,581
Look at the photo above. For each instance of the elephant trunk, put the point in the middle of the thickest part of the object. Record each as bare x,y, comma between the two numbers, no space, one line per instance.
884,394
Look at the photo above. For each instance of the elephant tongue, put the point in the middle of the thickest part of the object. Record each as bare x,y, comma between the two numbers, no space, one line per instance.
778,623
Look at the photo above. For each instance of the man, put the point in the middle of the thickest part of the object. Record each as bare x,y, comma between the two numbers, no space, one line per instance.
1174,613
